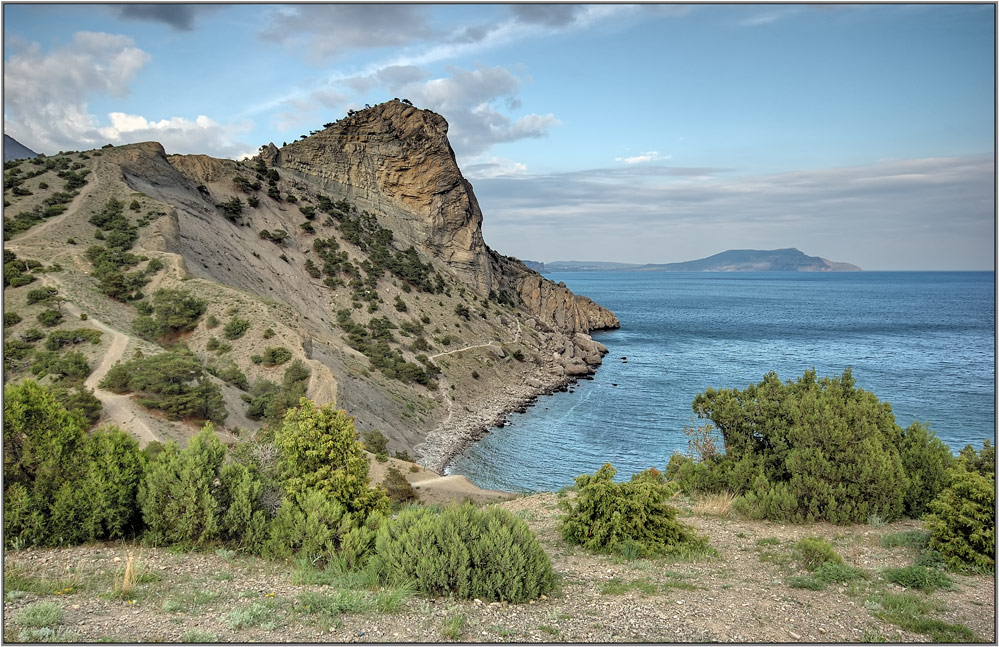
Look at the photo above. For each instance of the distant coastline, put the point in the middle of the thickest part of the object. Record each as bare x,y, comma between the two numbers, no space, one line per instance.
733,260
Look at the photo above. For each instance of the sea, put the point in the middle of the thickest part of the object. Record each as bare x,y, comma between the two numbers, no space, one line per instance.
922,341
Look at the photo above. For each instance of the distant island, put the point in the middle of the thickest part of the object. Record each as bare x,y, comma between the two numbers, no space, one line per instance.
733,260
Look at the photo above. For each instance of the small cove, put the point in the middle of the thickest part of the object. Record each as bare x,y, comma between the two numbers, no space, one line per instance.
923,341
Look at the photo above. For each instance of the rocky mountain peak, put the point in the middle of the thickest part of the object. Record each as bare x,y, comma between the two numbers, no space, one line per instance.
396,159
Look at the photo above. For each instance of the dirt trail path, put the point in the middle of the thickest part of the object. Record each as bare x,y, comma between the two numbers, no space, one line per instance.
118,410
516,339
35,233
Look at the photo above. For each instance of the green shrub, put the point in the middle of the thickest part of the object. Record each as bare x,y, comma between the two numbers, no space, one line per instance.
983,461
318,451
81,402
925,461
174,382
908,538
64,487
962,521
275,355
40,614
177,310
918,577
269,401
41,295
814,449
190,497
59,338
319,528
49,318
815,551
398,488
605,515
235,328
11,318
71,366
107,493
487,554
375,441
41,444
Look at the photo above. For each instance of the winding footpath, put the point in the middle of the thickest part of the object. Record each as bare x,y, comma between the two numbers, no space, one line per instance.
117,409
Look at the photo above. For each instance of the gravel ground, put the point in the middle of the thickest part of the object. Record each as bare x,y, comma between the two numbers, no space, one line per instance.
741,595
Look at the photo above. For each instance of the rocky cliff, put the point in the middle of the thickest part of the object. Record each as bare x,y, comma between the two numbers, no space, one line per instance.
357,250
397,160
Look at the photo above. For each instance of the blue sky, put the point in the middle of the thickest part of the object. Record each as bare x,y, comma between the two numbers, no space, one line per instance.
636,133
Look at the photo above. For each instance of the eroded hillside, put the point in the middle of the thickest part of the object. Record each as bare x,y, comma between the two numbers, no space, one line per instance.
348,266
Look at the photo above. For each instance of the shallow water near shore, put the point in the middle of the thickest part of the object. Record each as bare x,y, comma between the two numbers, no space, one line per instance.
923,341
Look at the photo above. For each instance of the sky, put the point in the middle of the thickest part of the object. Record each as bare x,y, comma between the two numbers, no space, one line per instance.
642,133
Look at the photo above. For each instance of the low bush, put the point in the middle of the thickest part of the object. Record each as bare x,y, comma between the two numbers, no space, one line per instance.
962,520
398,488
49,318
487,554
174,382
235,328
814,449
375,441
606,515
71,366
275,355
815,551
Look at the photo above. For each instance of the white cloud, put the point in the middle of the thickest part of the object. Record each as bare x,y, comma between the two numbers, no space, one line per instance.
468,100
46,100
641,158
492,167
178,135
329,30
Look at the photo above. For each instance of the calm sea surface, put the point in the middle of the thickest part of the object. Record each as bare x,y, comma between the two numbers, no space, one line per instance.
923,341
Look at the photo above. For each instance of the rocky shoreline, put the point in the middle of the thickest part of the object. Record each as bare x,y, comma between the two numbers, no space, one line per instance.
577,358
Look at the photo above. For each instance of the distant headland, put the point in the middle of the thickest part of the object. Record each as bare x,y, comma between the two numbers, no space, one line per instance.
733,260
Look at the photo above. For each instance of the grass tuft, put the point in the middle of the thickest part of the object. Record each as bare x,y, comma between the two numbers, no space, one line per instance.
908,538
716,504
912,613
454,626
40,614
919,578
196,636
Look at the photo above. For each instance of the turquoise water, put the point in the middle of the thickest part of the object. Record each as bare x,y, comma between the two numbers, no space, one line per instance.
923,341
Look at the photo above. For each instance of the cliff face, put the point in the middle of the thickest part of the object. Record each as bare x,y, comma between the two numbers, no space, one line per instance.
398,160
559,308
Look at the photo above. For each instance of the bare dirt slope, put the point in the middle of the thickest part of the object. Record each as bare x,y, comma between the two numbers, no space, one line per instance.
742,595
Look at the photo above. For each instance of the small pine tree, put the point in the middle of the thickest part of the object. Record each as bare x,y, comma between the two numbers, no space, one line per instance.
606,516
180,495
465,552
319,452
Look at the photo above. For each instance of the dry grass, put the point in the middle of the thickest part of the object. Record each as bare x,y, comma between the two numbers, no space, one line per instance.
717,504
124,584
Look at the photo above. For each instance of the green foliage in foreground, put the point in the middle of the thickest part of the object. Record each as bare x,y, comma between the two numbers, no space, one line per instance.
192,497
62,486
609,517
65,487
488,554
962,519
815,449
